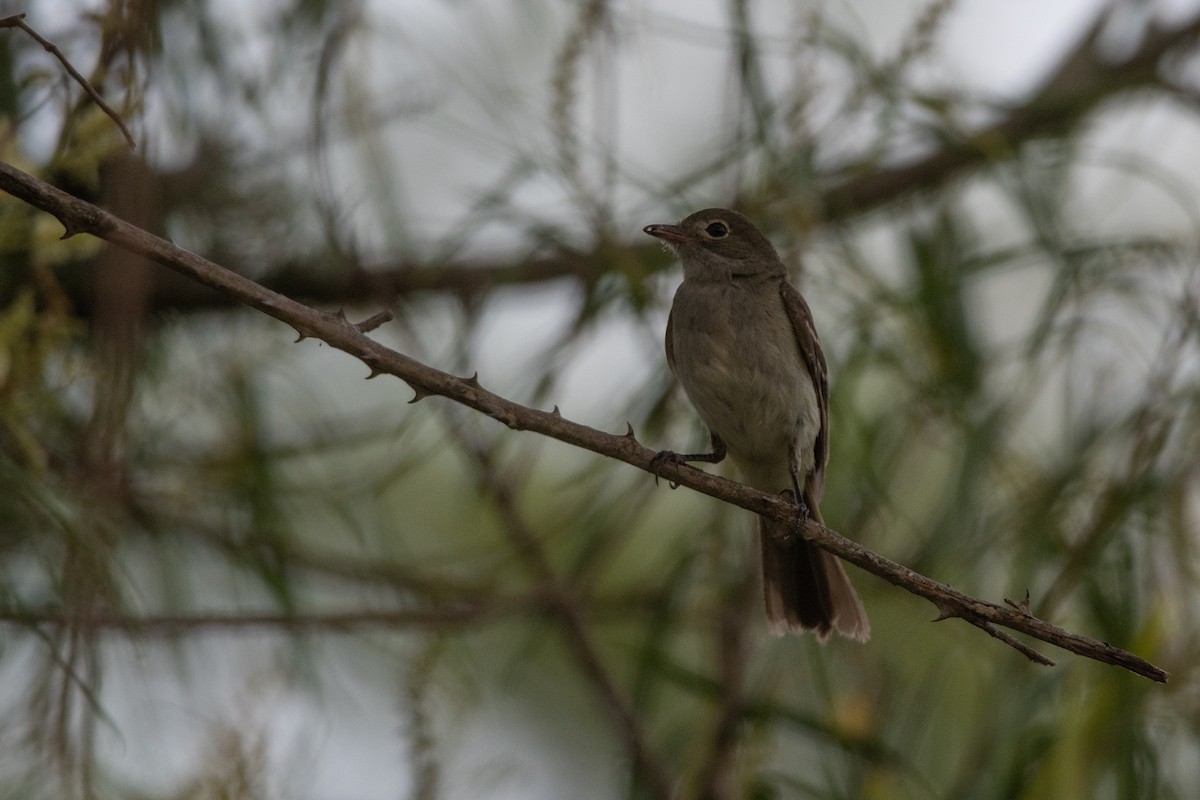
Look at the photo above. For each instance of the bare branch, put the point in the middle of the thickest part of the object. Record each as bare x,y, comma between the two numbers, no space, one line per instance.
1016,644
18,21
78,216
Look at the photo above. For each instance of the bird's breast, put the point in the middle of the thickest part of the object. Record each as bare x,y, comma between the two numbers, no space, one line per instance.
736,356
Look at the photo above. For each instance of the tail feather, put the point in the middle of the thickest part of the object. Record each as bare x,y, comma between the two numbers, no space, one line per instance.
806,589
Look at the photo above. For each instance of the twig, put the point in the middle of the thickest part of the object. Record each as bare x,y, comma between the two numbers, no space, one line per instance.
78,216
18,21
374,321
1016,644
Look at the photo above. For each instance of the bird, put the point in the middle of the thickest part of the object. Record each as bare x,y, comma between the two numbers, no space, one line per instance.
741,342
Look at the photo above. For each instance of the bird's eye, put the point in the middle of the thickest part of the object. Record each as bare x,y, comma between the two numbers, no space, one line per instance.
717,230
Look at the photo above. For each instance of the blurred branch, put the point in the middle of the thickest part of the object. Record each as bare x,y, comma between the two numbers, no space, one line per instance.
18,21
384,282
335,330
718,766
1080,83
482,609
437,618
565,608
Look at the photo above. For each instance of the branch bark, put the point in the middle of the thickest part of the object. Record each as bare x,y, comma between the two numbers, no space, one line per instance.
335,330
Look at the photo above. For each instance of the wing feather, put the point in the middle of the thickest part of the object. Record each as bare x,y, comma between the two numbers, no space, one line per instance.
814,360
669,342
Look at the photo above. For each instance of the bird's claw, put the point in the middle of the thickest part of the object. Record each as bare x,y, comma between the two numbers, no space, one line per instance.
803,514
663,458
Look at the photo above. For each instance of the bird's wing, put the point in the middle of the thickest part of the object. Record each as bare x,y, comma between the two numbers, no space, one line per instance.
814,360
669,343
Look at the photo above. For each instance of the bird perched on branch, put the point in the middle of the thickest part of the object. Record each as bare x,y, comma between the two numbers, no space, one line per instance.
741,342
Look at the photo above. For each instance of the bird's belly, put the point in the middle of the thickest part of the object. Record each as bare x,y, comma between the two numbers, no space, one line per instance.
755,395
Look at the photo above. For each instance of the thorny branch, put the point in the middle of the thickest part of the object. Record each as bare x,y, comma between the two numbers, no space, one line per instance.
78,216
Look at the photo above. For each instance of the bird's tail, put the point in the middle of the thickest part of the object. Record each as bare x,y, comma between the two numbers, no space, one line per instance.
806,588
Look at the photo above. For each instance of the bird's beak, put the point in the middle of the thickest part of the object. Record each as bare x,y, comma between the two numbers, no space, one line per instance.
671,234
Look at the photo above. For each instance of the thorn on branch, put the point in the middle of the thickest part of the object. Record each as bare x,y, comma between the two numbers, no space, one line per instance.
556,412
945,612
1021,605
419,394
473,380
629,431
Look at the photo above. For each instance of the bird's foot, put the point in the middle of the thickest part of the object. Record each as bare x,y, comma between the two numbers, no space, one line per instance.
663,458
803,514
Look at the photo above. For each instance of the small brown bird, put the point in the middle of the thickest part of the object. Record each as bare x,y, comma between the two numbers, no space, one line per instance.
741,342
